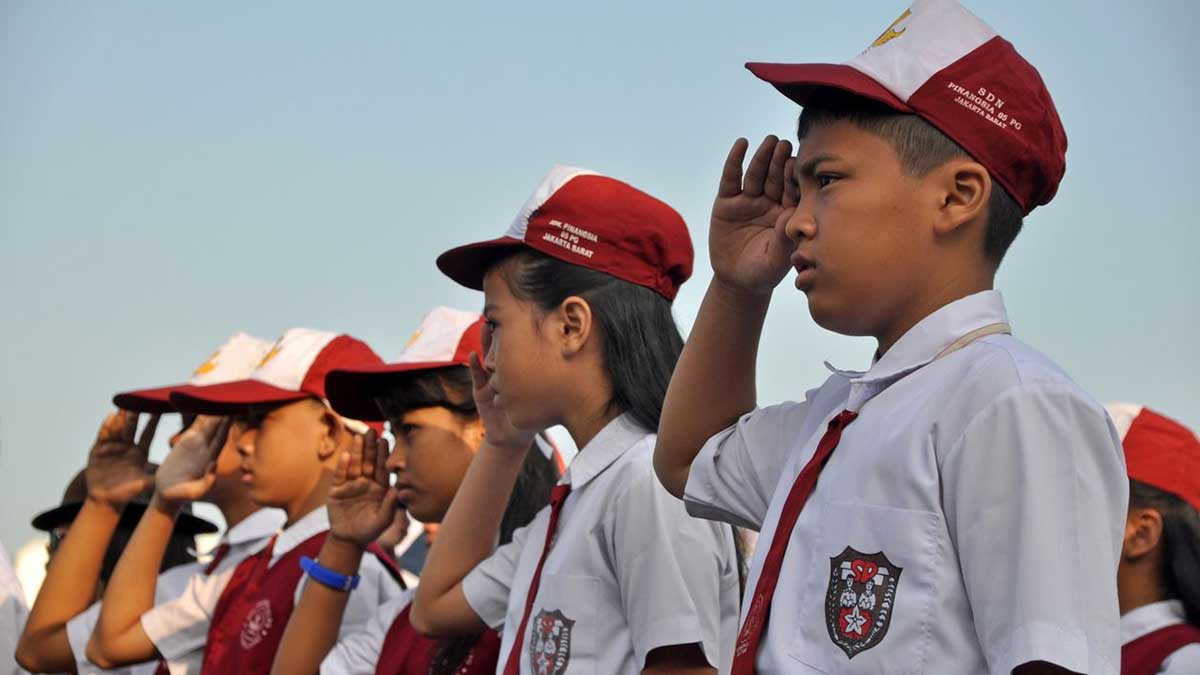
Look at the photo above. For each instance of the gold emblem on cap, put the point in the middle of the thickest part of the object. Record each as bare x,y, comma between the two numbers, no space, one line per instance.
209,364
415,336
891,33
270,355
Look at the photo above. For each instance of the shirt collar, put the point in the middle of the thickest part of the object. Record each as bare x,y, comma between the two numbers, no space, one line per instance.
258,525
613,440
313,523
1148,618
923,343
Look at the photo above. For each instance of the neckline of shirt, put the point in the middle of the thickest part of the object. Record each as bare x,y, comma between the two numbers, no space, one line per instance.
605,448
312,523
1148,618
258,525
923,342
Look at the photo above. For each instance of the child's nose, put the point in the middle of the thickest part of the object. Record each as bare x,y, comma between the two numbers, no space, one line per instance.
245,442
398,460
800,225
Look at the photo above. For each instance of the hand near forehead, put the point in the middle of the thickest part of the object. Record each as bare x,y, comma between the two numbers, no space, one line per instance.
361,503
497,430
116,468
747,244
189,471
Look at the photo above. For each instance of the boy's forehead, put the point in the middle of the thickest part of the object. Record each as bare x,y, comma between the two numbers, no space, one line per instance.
837,140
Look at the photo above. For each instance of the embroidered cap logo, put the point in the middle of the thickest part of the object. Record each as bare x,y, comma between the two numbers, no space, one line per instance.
892,33
208,366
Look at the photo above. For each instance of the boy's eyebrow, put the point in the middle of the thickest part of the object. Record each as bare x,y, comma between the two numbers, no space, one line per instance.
488,309
808,167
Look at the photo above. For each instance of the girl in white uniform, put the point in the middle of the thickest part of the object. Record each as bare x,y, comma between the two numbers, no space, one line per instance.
1158,580
614,577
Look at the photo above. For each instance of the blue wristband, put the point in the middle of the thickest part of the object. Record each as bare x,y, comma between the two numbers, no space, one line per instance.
327,577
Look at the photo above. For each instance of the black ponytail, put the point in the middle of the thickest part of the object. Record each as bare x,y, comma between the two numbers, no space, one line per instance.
641,341
1180,543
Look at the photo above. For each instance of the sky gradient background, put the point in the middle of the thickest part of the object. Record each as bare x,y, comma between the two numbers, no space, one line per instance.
171,173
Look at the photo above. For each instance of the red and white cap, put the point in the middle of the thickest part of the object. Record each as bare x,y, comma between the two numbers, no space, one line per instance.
944,64
1159,451
293,369
590,220
445,339
233,360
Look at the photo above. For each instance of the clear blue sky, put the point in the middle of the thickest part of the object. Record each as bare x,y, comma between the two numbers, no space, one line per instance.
173,172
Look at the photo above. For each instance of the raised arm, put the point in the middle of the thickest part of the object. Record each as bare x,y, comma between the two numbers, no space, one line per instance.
468,533
115,473
750,255
186,475
361,506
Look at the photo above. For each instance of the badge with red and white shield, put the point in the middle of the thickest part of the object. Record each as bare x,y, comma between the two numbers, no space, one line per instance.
550,643
859,599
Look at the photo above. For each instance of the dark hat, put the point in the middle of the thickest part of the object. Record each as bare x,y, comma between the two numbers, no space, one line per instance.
76,493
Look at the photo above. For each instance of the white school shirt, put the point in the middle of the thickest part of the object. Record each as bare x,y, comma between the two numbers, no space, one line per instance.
358,653
629,571
180,627
982,496
1149,618
13,614
243,539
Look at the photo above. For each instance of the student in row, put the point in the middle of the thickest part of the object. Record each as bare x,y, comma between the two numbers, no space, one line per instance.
289,442
614,577
426,397
957,507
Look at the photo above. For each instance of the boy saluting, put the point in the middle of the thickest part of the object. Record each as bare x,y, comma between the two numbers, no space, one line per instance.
968,512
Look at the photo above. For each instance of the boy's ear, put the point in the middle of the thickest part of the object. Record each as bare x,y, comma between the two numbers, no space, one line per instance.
1143,533
574,325
965,188
333,434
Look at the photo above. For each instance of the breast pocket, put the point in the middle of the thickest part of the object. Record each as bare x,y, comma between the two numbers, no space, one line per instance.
562,627
869,594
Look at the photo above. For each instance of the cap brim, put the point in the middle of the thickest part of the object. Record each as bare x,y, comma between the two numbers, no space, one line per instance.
468,264
157,400
800,81
352,393
230,397
186,523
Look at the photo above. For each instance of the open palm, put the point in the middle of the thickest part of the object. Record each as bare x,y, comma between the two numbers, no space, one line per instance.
190,469
116,469
747,244
498,430
361,502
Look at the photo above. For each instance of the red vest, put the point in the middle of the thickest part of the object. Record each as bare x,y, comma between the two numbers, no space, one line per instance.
1145,655
407,652
248,621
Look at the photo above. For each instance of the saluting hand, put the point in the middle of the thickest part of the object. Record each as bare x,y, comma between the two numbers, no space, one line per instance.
362,503
747,244
497,430
116,469
189,471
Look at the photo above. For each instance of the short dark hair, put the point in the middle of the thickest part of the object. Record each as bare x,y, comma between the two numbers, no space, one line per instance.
641,341
1180,543
921,148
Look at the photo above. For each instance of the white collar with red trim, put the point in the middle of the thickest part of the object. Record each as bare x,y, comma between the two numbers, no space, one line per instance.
1148,618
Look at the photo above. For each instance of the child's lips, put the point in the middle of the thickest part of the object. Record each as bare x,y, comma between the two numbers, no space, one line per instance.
806,269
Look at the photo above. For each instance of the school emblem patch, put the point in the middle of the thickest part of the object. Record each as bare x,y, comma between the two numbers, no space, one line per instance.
550,643
257,624
859,599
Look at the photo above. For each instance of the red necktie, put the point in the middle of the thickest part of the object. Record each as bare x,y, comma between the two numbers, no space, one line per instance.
557,496
760,606
218,556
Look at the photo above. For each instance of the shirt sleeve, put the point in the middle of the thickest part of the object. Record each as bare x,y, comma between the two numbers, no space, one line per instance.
677,575
180,626
1182,661
358,653
487,587
1035,494
735,474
